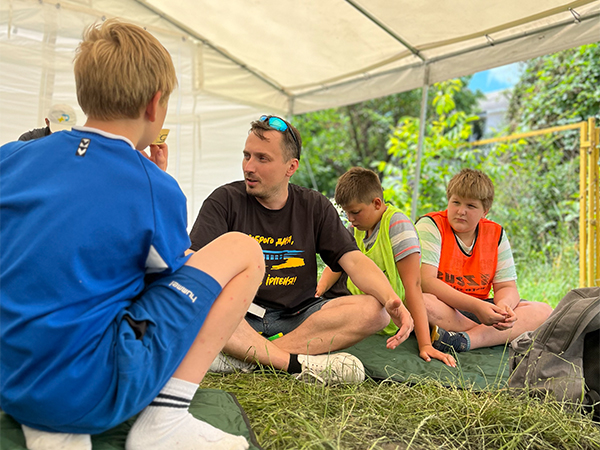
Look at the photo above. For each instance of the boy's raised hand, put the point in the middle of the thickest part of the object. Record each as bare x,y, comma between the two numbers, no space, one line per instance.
159,155
403,320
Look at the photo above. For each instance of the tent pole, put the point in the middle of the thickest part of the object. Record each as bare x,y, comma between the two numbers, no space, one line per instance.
415,196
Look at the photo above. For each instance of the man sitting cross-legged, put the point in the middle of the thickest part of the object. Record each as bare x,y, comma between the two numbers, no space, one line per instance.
293,224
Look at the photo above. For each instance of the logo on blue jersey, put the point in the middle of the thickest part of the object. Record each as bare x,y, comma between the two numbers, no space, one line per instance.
83,147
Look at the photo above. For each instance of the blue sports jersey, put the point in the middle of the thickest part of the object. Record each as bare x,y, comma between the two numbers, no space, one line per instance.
84,217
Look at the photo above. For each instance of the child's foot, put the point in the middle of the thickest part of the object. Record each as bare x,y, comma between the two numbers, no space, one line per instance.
45,440
167,424
444,341
187,433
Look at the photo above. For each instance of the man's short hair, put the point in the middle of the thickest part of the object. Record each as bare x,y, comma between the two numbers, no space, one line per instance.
289,146
358,185
119,67
470,183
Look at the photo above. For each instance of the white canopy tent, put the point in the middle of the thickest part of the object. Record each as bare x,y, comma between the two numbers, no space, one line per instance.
237,59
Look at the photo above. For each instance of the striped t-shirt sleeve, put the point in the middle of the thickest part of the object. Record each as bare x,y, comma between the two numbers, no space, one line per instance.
431,241
403,236
505,270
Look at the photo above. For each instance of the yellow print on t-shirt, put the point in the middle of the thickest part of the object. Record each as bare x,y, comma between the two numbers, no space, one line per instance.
280,281
269,240
280,259
283,259
291,262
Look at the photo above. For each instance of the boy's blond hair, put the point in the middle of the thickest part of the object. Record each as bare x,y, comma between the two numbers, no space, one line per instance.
469,183
119,67
358,185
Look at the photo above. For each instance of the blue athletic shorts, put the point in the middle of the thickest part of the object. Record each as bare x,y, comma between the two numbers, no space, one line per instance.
151,338
283,321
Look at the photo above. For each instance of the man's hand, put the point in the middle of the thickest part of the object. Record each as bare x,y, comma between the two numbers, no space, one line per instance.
427,352
159,155
489,313
403,320
509,318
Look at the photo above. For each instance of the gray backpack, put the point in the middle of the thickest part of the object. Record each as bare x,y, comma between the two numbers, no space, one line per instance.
562,356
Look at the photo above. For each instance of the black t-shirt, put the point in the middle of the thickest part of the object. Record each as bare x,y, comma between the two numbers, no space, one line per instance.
290,238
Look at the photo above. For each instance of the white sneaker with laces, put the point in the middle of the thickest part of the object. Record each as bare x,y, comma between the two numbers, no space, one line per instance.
331,369
228,364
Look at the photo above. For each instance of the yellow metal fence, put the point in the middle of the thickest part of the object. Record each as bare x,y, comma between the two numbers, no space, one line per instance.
589,194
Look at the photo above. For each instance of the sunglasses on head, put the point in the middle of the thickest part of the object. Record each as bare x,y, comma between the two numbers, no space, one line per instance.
279,124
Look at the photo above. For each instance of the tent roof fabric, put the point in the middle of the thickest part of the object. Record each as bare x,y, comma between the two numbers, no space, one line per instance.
316,54
238,59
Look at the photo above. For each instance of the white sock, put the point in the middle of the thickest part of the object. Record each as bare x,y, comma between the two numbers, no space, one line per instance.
45,440
167,424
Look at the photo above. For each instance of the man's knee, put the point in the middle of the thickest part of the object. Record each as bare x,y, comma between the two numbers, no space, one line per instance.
375,316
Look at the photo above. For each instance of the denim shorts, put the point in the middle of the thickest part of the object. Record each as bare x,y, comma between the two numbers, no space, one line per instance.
283,321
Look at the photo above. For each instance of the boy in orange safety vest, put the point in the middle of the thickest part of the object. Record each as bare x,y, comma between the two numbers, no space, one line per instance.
465,256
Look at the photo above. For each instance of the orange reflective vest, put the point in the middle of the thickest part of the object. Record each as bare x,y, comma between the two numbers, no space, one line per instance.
471,274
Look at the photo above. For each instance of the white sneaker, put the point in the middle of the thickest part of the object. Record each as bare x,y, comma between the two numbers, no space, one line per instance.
330,369
228,364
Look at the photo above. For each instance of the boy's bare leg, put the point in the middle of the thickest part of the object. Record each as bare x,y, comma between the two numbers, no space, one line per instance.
341,323
166,422
444,316
530,315
240,277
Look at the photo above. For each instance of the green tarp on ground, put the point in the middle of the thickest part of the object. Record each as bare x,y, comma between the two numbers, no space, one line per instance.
216,407
479,369
485,368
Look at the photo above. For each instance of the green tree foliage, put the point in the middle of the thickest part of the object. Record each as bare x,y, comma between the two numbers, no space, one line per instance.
554,90
357,135
444,152
536,179
557,89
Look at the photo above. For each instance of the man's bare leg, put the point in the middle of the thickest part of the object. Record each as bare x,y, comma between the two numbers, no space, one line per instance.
341,323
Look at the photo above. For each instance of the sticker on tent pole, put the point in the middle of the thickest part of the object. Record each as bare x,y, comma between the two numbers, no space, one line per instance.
83,147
